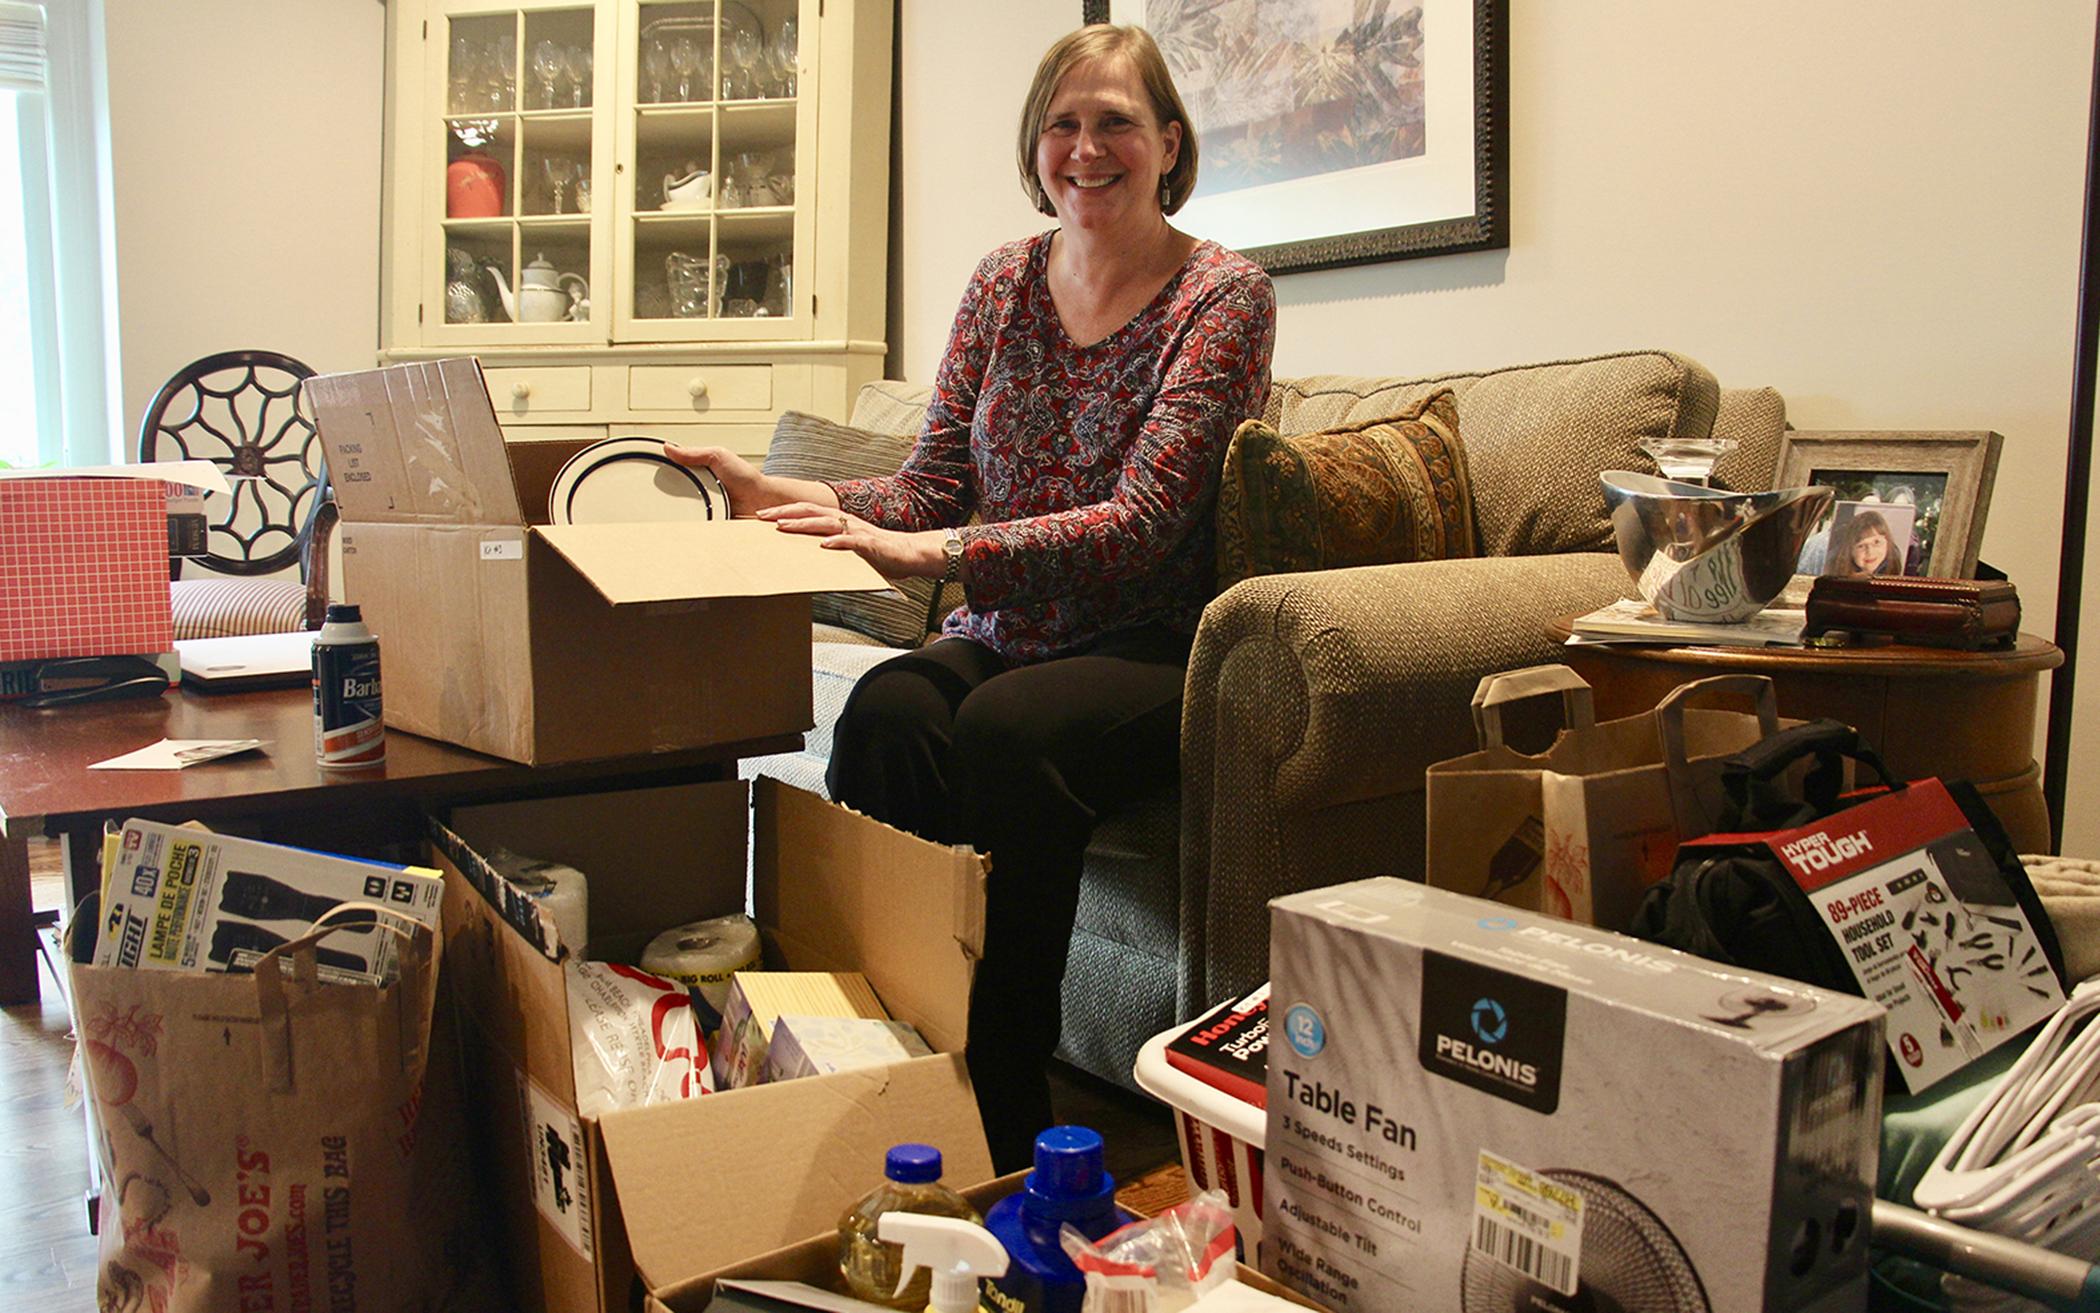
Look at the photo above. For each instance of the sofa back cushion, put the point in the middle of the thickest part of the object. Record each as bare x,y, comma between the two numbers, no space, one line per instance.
1375,492
1536,435
1756,419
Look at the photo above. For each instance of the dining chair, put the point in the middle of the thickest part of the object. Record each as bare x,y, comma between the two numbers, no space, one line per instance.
245,412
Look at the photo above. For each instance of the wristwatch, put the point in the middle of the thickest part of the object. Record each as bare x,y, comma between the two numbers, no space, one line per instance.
952,549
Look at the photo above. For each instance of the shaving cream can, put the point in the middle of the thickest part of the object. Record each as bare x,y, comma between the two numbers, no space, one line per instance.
348,728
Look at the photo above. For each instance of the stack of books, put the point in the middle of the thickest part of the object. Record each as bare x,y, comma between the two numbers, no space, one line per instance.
1635,621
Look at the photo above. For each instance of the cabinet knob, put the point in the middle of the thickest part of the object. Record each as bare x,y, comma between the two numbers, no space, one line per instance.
520,391
696,389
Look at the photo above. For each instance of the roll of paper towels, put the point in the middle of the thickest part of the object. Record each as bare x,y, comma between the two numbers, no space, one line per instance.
704,954
560,890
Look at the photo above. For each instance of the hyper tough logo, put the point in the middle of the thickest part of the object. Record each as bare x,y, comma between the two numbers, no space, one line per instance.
1493,1031
1821,850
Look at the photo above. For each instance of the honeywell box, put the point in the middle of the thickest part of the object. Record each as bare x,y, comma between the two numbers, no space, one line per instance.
647,1199
554,642
1474,1107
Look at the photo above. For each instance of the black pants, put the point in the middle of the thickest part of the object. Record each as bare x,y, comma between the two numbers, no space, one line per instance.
954,744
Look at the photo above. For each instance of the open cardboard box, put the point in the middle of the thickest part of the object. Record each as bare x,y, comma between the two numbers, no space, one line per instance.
661,1196
815,1260
542,642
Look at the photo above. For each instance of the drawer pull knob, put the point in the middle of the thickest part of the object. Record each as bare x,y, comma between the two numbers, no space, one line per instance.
520,391
696,389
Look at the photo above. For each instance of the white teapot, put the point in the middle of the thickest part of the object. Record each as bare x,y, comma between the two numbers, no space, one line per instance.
544,296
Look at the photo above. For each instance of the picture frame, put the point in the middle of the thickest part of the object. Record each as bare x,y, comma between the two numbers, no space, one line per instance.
1409,157
1948,476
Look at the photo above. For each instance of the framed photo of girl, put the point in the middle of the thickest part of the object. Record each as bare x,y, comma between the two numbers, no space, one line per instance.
1341,132
1907,503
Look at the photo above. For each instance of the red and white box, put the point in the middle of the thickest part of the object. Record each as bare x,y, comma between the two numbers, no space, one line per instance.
84,558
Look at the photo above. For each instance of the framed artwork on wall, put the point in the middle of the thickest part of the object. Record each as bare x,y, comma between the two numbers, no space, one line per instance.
1926,494
1342,132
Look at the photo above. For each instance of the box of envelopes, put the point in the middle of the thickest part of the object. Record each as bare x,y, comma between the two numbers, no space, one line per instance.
1476,1107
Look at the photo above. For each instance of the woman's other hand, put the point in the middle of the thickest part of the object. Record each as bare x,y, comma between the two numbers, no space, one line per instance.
750,489
895,554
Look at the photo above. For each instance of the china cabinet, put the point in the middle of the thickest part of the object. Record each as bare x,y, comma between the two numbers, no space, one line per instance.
644,216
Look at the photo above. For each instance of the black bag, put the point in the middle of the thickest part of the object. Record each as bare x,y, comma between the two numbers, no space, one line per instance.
1731,900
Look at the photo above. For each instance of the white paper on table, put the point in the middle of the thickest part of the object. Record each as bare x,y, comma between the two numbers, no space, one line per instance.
175,754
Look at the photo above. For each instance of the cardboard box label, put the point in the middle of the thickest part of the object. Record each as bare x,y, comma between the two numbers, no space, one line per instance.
503,549
1527,1223
561,1182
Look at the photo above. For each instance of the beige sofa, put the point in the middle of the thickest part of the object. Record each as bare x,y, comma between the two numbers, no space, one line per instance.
1315,701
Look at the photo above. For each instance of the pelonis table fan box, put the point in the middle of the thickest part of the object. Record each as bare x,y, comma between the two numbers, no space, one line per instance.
554,642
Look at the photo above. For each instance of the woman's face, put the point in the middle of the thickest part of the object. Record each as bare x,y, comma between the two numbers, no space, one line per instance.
1870,550
1102,151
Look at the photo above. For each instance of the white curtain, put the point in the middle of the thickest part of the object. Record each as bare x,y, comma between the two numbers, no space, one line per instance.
21,46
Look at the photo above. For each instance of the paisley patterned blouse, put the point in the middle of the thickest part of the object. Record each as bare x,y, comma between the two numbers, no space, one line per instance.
1095,468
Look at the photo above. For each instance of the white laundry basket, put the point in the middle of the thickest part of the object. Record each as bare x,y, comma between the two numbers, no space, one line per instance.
1221,1136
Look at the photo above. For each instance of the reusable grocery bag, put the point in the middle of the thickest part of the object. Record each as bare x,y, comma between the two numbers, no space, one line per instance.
268,1140
1582,829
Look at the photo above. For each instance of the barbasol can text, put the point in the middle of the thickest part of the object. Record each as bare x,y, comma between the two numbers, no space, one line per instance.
348,728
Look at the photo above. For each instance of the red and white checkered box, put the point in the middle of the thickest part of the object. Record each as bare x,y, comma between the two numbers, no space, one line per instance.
83,566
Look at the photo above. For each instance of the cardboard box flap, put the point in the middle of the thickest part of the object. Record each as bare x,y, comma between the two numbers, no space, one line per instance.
775,1163
199,474
415,444
675,562
862,903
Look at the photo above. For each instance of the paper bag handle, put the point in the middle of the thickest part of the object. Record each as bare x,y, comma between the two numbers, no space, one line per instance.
1669,726
1496,691
299,955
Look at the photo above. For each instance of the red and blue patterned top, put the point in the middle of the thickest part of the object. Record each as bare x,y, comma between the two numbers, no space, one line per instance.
1095,468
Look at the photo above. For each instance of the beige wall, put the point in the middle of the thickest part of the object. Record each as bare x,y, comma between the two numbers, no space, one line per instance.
1872,206
244,142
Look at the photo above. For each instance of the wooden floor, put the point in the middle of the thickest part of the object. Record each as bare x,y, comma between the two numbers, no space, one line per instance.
47,1257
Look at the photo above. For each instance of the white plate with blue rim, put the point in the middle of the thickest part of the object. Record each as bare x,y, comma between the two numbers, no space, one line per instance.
632,481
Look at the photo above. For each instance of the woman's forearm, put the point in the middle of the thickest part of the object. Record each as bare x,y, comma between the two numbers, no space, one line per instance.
780,491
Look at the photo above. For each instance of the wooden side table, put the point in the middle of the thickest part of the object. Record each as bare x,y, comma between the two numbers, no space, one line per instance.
1927,710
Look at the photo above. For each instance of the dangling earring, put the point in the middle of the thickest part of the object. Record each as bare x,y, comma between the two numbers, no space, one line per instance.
1166,194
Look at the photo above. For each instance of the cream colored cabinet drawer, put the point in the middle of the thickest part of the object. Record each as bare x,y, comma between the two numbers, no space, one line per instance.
700,389
539,390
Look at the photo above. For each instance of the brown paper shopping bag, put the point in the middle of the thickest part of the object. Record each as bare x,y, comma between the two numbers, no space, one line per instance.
1582,829
270,1141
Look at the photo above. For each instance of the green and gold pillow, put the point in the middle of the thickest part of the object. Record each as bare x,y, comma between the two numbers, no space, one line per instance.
1378,492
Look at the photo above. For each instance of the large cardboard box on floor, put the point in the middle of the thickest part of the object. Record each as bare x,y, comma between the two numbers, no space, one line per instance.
542,642
649,1198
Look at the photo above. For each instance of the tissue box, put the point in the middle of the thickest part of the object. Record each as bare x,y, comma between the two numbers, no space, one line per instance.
757,1001
818,1046
1473,1106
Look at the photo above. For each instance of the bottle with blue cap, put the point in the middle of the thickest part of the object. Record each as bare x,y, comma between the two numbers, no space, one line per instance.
872,1266
1069,1186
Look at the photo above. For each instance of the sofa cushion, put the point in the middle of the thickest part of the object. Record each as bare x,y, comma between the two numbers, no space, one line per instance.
1756,419
889,406
807,447
1374,492
1536,435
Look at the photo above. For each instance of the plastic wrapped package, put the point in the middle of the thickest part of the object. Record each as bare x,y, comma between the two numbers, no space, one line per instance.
561,890
1162,1264
704,954
634,1037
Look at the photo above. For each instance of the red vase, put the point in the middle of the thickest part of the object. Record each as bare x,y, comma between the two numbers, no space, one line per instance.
473,187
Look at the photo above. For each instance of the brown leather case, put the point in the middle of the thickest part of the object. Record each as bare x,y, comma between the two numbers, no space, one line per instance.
1964,613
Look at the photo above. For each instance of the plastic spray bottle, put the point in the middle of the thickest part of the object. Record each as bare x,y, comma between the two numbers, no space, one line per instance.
912,1184
1069,1184
958,1253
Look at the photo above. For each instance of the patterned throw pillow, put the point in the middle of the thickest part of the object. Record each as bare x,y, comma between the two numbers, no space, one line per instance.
1377,492
807,447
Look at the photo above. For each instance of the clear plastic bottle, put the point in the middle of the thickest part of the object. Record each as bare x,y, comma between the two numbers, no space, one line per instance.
872,1265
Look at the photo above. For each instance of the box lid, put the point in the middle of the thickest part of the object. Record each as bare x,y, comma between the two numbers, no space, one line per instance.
199,474
415,444
674,562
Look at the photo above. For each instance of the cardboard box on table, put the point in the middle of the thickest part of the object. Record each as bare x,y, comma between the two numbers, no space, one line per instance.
543,642
668,1194
84,558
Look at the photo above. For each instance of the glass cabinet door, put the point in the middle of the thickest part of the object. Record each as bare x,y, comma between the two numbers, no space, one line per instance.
524,141
716,147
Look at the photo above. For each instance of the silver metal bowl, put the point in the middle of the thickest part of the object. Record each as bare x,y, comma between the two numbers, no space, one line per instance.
1706,555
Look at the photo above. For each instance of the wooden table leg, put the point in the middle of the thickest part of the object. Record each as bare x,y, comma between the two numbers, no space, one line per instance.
18,974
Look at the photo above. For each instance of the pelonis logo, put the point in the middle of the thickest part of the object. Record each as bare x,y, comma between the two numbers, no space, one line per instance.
1494,1031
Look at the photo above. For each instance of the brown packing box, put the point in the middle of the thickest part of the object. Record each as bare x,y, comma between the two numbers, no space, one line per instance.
662,1195
815,1260
541,642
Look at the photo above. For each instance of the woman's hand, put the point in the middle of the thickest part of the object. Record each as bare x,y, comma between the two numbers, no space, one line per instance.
895,554
750,489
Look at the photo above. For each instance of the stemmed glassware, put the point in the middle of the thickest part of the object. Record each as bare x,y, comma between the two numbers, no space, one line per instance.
578,63
745,47
548,65
786,45
656,65
685,61
560,171
503,75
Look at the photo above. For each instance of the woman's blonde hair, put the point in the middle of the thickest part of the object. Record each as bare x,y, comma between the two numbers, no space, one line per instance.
1101,41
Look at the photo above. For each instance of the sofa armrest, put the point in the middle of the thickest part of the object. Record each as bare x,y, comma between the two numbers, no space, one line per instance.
1315,702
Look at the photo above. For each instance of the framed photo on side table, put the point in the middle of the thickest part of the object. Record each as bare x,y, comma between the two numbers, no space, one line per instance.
1938,484
1339,134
